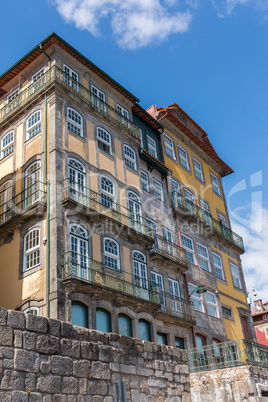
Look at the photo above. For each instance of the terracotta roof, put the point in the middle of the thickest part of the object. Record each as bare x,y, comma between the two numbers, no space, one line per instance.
147,117
157,160
203,143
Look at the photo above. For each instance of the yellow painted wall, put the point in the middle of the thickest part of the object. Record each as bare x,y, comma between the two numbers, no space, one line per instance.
6,167
91,143
106,163
133,179
126,261
19,146
75,144
96,247
32,148
119,160
233,328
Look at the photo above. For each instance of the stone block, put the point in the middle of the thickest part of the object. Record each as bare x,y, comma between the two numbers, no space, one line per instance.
82,368
6,336
186,397
3,316
142,371
71,398
89,350
67,330
12,380
97,388
19,396
7,352
36,323
144,387
35,397
8,364
105,353
184,369
80,333
47,398
100,371
54,327
127,369
16,319
49,384
70,385
30,381
45,367
25,360
5,396
61,365
18,338
60,398
29,339
70,348
47,344
82,386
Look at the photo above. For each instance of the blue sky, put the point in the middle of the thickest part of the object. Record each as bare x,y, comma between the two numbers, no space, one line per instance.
209,56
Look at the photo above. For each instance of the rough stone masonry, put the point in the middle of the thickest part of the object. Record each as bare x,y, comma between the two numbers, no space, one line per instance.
46,360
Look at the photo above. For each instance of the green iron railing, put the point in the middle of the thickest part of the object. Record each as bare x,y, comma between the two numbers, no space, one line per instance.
91,271
188,207
176,306
227,354
55,74
21,202
169,250
104,205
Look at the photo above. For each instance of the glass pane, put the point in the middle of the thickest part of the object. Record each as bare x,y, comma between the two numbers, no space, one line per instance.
103,320
179,342
161,338
79,314
125,325
144,330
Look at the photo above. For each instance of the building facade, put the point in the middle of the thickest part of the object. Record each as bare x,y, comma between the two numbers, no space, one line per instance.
91,224
260,321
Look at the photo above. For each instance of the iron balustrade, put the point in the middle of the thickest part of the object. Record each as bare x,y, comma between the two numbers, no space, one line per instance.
190,208
167,248
176,306
227,354
88,270
55,74
21,202
104,205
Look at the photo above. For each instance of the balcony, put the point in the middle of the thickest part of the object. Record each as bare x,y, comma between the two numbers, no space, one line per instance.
167,252
175,308
25,205
56,75
188,209
99,208
96,278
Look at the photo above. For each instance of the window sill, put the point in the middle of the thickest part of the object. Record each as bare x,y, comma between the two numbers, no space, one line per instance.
30,271
29,140
6,157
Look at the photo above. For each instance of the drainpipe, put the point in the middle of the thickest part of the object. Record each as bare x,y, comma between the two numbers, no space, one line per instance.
49,59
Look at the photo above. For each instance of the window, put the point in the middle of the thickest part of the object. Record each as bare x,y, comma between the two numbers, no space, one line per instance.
38,75
36,80
204,205
7,146
196,298
169,146
201,354
189,195
98,93
130,157
215,183
32,184
203,257
140,269
31,311
235,275
123,111
175,186
145,330
103,320
104,140
175,301
13,95
145,181
77,179
157,281
183,158
212,304
125,325
107,192
31,249
152,146
217,261
168,241
188,246
134,206
152,226
12,100
71,77
179,342
161,338
227,312
74,122
198,170
33,125
222,219
79,251
5,198
79,314
141,136
158,189
111,253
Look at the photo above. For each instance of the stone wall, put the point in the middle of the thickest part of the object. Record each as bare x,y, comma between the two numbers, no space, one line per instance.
53,361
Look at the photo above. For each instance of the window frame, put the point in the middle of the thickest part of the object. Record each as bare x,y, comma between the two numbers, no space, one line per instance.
36,127
10,97
187,249
85,312
105,143
202,257
32,310
151,147
121,110
158,191
169,147
149,328
9,147
211,304
235,277
6,190
110,255
164,338
98,93
31,251
108,316
223,221
218,267
190,196
186,158
201,170
216,188
71,80
131,161
108,196
145,185
196,297
72,125
129,324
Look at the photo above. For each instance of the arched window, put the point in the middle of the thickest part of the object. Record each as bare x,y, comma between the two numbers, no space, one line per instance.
33,125
201,353
217,350
107,192
31,311
5,205
103,320
31,249
130,157
104,140
32,184
111,253
134,206
79,314
74,122
140,274
79,251
7,146
125,325
145,330
77,180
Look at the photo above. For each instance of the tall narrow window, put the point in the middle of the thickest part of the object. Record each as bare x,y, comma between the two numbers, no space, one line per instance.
125,325
152,146
13,95
79,251
189,195
203,257
198,170
215,183
161,338
168,241
130,157
5,197
212,306
145,181
174,291
103,320
104,140
188,246
235,275
196,298
12,100
145,330
38,80
77,179
183,158
179,342
175,186
157,281
79,314
97,92
31,249
140,274
158,189
32,186
169,146
111,253
71,77
217,261
107,192
222,219
33,125
74,122
152,226
123,111
7,146
134,206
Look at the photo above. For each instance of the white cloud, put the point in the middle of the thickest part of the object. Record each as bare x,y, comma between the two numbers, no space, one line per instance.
226,7
135,23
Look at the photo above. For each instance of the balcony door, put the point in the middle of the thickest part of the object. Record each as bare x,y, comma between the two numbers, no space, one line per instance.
134,206
140,275
32,184
157,281
79,265
77,180
5,197
174,291
168,241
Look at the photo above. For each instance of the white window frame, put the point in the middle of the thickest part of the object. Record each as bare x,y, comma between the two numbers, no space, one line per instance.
114,258
219,269
5,197
79,250
189,195
130,161
204,205
98,93
33,124
152,149
12,95
222,219
32,252
157,279
215,184
121,110
139,268
38,74
235,276
106,139
77,180
189,250
196,298
108,195
8,148
73,77
73,124
211,306
158,189
201,249
145,181
31,310
174,188
198,170
169,146
153,225
183,159
32,184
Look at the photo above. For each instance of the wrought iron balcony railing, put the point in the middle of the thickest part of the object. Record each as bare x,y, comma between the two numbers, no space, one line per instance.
169,250
227,354
176,306
55,74
189,208
88,270
21,202
104,205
